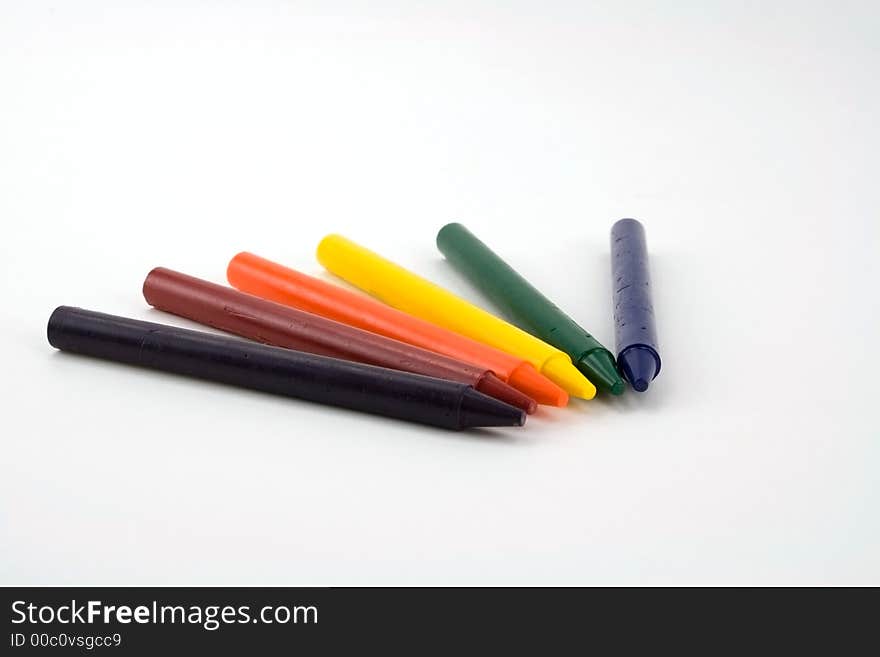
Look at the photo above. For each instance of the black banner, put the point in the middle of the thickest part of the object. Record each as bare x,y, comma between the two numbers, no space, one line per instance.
151,621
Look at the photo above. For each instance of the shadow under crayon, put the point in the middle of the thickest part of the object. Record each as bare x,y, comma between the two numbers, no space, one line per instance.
497,435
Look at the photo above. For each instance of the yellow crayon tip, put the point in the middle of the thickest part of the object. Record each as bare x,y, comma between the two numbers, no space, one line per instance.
560,370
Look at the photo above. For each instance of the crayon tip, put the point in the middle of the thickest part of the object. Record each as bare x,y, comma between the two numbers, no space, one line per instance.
599,367
563,373
494,387
639,364
479,410
537,386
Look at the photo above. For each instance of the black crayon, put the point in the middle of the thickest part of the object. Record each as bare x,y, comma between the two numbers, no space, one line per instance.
321,379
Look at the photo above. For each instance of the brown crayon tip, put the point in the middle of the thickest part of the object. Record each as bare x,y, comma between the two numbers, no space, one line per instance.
494,387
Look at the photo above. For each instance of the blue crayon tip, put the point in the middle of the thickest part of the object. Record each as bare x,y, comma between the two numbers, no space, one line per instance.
639,364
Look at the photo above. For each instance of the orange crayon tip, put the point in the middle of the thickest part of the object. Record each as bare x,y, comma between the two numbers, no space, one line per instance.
537,386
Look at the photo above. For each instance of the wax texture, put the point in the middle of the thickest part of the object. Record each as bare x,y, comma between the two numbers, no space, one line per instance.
638,354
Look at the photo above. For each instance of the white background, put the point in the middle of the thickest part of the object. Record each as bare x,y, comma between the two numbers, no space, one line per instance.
745,137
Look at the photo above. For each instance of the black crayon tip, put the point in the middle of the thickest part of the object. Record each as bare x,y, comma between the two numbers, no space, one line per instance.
479,410
639,364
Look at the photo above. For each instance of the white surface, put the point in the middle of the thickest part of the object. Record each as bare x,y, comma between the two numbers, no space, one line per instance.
745,139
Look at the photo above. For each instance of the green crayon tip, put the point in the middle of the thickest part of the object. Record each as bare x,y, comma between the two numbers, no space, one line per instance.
598,366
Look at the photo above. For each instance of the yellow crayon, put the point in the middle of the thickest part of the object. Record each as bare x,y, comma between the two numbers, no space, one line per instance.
405,291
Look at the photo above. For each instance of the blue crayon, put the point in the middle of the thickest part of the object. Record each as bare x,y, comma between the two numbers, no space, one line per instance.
634,330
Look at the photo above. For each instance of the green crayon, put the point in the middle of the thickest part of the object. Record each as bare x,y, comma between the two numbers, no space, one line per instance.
527,307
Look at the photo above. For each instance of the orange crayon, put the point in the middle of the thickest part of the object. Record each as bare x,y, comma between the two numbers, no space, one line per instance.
267,279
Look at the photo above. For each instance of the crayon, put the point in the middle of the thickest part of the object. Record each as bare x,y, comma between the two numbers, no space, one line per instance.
526,307
407,292
634,330
269,280
272,323
247,364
